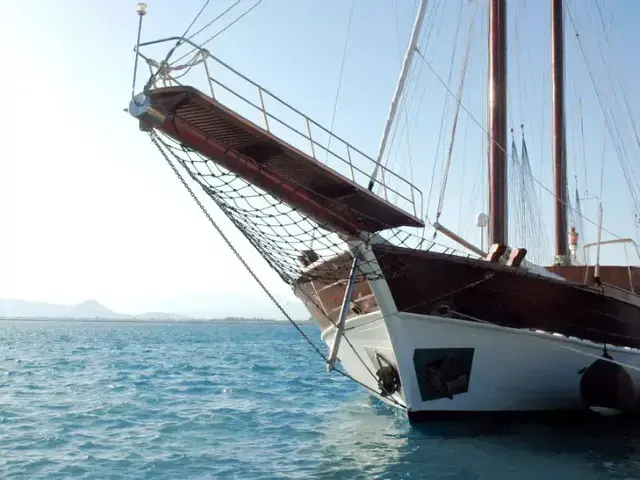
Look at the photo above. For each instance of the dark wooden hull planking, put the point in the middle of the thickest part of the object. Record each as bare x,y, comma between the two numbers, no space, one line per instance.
427,283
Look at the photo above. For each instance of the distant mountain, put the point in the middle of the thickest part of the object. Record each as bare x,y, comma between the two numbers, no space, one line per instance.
89,309
15,308
92,309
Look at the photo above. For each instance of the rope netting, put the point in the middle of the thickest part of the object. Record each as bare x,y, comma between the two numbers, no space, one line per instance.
167,150
288,239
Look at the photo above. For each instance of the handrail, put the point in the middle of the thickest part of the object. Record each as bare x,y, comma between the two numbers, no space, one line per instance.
405,192
311,140
611,242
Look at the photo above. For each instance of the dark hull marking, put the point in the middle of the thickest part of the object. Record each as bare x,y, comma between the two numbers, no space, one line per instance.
442,372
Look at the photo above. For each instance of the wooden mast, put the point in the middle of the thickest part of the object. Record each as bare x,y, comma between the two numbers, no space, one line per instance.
497,112
559,142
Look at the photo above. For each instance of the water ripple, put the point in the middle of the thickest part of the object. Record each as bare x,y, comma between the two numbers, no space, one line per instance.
100,400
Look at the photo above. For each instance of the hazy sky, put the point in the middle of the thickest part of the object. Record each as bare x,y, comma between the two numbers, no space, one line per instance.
88,209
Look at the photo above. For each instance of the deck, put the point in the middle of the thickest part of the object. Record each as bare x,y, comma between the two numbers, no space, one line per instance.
259,157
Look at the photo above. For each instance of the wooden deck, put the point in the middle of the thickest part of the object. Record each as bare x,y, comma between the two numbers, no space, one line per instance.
206,126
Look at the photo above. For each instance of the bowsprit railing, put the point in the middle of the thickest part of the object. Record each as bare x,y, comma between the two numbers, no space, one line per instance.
234,90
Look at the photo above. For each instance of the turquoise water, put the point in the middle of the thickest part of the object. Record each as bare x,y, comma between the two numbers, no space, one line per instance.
215,401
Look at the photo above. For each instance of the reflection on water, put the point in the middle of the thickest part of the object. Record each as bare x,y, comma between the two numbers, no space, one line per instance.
372,440
365,436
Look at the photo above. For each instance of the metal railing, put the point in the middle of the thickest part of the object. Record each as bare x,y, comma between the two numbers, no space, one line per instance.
301,132
618,241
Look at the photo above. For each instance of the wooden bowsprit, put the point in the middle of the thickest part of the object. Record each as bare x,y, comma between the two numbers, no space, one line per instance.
200,123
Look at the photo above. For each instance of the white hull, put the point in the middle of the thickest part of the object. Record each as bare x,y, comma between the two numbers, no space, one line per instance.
512,370
365,336
455,365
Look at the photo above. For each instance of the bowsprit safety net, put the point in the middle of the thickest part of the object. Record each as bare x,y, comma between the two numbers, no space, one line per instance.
286,238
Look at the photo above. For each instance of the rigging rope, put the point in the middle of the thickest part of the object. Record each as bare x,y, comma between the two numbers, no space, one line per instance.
604,145
626,257
195,19
527,221
407,99
584,151
335,102
463,76
627,168
491,139
342,62
180,40
444,111
201,45
510,44
156,142
160,144
611,71
215,19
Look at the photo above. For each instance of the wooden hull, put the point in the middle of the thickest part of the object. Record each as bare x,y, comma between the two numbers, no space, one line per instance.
423,282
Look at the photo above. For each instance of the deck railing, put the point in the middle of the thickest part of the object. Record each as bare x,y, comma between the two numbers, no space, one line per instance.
269,112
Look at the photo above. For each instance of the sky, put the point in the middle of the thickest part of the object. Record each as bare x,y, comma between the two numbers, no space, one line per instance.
89,210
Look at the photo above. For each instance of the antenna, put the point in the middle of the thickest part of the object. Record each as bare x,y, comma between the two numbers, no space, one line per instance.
141,10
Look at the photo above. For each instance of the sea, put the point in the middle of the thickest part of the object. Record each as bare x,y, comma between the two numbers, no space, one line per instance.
245,401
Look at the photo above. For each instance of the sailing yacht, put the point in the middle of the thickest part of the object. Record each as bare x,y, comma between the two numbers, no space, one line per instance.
430,330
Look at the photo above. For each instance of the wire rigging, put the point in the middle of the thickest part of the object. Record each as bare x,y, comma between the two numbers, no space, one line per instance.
463,76
527,222
407,99
180,40
202,44
514,36
195,19
215,19
221,196
491,139
340,75
614,133
444,111
612,73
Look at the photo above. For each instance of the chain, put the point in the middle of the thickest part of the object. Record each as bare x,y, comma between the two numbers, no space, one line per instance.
158,144
228,242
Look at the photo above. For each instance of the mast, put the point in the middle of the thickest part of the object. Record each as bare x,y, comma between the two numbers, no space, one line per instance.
559,142
404,71
497,112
